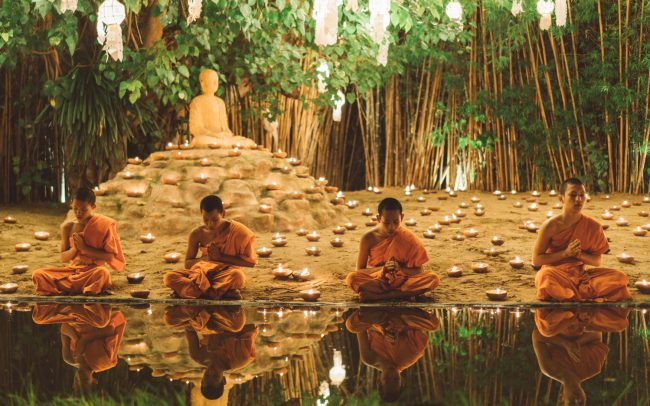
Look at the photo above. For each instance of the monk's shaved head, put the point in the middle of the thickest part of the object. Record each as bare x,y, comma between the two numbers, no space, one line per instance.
213,391
85,194
389,203
211,203
571,181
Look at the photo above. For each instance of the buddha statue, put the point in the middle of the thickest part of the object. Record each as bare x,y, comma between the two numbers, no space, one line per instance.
208,118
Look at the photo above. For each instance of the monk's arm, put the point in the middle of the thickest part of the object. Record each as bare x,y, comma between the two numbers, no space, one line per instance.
97,253
192,250
411,271
362,257
541,245
590,259
65,349
367,354
198,353
545,359
235,260
67,252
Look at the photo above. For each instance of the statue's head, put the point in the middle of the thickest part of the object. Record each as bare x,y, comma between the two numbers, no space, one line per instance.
209,80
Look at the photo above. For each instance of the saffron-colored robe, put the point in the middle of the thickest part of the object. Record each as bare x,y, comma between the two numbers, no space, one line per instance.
397,337
85,275
407,249
573,322
207,319
569,280
212,280
78,321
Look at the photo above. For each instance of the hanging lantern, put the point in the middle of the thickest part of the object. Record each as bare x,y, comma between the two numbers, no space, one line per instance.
323,72
382,54
379,19
517,8
337,372
352,5
326,14
193,10
339,101
545,8
560,13
68,5
109,17
454,10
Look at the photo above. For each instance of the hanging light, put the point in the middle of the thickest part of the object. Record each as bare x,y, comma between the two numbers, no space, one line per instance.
337,372
323,72
454,10
560,13
517,7
68,5
379,19
339,101
109,17
326,14
193,10
545,8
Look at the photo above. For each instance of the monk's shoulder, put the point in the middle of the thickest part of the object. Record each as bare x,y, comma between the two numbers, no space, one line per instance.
198,232
370,238
591,222
551,225
239,228
67,227
407,236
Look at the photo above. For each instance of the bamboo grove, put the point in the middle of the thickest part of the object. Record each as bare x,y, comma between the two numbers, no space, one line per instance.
494,104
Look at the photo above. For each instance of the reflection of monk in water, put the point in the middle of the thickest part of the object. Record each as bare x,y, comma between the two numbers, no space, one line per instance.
391,340
226,342
90,337
569,347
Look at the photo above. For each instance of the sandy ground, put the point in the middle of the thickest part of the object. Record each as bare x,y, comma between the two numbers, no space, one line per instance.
330,268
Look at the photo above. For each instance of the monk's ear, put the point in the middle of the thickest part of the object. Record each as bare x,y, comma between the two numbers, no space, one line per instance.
93,206
223,213
378,217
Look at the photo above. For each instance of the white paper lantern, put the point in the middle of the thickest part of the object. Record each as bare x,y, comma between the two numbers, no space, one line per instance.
352,5
323,72
545,22
68,5
337,372
517,7
560,13
109,17
382,54
379,19
326,14
339,101
454,10
194,10
545,7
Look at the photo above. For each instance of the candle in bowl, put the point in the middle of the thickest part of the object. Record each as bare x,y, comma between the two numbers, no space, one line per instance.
186,145
322,181
497,294
265,208
135,193
458,237
639,232
626,204
376,190
532,207
643,213
336,242
214,145
177,155
436,228
334,189
607,215
303,275
429,234
134,278
41,235
339,230
127,175
621,222
502,197
471,233
285,169
171,147
646,199
475,199
459,213
454,218
516,263
532,227
643,286
204,162
535,193
313,251
492,252
552,193
452,193
463,205
442,197
99,191
294,161
172,257
313,236
615,208
168,180
549,214
444,221
517,204
479,212
279,242
310,295
279,154
313,189
350,226
202,178
455,271
140,293
371,222
135,161
625,258
496,240
8,288
646,227
479,267
273,186
234,152
301,232
367,212
557,205
425,212
352,204
147,238
19,269
296,195
23,247
264,252
281,273
410,222
421,199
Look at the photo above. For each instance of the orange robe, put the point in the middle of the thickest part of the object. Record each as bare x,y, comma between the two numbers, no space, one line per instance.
78,321
85,275
211,280
234,350
407,249
206,319
568,280
573,322
398,337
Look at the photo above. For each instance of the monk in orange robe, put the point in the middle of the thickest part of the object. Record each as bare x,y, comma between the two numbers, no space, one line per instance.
569,347
226,342
566,244
89,243
389,265
90,337
391,340
225,247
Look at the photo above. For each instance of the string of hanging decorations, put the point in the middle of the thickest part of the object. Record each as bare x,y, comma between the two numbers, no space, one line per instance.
68,5
110,15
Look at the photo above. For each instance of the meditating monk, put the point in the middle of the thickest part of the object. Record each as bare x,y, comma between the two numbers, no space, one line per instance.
225,246
89,243
566,245
90,337
569,347
389,265
208,118
391,340
226,342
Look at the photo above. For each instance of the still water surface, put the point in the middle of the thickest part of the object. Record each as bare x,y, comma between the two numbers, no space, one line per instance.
118,354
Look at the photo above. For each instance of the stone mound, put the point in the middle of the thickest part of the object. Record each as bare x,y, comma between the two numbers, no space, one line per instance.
260,189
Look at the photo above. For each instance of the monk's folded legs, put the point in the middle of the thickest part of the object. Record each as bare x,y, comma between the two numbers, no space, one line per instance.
221,283
600,284
60,281
371,287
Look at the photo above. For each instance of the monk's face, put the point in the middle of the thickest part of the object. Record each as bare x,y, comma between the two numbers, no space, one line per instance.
82,209
389,221
574,198
390,385
209,82
212,219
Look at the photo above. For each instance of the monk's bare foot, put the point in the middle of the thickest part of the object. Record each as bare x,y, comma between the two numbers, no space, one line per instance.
233,294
